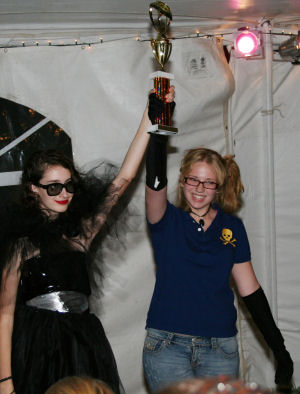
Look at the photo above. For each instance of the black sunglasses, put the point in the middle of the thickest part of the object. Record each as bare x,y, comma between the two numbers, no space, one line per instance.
54,189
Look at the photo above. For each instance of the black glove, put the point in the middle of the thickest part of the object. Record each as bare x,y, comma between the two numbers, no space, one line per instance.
156,107
285,368
156,162
259,308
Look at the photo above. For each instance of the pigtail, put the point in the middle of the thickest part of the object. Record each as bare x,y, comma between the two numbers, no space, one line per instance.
230,197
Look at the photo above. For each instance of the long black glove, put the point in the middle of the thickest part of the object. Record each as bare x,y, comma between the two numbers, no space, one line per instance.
156,162
259,308
156,158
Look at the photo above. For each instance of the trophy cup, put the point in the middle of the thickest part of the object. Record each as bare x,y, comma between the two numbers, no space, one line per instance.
161,16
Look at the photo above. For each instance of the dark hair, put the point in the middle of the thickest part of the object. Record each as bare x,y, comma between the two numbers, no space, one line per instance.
35,167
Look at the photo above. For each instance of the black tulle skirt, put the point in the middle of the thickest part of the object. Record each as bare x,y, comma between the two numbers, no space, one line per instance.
48,346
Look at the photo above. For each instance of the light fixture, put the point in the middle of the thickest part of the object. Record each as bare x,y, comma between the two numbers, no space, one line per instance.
289,49
247,43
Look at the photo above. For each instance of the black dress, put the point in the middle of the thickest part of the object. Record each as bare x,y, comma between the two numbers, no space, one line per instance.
48,345
54,333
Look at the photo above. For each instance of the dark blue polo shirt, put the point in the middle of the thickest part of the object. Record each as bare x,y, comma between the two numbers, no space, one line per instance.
192,293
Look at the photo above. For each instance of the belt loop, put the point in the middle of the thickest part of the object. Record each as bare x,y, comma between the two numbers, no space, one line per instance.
170,337
214,343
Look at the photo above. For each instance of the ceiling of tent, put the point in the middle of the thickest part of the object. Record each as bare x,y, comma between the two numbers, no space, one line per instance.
87,19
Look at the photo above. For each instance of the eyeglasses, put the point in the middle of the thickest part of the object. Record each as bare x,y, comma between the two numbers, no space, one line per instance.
195,182
54,189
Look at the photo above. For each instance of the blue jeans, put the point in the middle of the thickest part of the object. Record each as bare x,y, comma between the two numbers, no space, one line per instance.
170,357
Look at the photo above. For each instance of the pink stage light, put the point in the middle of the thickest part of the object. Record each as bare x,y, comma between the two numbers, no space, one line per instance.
247,43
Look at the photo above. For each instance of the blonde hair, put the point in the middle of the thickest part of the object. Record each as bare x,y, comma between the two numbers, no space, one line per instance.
79,385
230,187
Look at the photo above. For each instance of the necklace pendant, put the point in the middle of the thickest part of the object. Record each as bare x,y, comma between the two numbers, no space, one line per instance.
201,225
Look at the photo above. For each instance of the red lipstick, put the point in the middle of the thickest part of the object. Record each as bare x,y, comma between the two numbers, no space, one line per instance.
62,202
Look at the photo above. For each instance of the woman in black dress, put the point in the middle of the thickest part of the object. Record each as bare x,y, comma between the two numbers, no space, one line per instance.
46,330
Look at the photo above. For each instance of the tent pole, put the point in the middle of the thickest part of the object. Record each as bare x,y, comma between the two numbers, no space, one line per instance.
269,174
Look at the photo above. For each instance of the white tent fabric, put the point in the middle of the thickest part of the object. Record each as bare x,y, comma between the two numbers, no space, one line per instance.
97,96
248,124
62,20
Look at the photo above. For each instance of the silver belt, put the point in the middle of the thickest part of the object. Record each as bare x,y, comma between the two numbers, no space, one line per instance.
61,301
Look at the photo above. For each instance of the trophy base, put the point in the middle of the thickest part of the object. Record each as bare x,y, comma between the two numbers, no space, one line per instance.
162,129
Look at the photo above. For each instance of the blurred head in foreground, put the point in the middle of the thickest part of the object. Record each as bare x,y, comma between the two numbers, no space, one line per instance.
220,384
79,385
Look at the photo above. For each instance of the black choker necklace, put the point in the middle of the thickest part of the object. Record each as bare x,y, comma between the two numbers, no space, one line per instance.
201,221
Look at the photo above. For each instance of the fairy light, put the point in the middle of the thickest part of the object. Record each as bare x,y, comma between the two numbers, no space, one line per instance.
100,40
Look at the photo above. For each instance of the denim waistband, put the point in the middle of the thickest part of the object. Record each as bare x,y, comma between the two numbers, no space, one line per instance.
182,338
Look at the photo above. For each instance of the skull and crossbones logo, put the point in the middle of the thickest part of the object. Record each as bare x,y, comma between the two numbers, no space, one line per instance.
227,237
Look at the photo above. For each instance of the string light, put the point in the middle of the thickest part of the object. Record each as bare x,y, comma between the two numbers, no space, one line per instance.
137,38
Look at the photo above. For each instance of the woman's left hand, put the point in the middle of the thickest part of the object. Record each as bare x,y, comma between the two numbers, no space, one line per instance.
284,369
156,105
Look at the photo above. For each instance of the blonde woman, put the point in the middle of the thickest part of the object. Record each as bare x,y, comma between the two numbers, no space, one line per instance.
198,245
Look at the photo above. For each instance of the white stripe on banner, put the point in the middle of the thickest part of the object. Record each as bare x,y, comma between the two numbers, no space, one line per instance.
23,136
11,178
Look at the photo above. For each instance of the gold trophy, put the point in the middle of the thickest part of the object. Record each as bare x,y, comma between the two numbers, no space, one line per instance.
161,16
